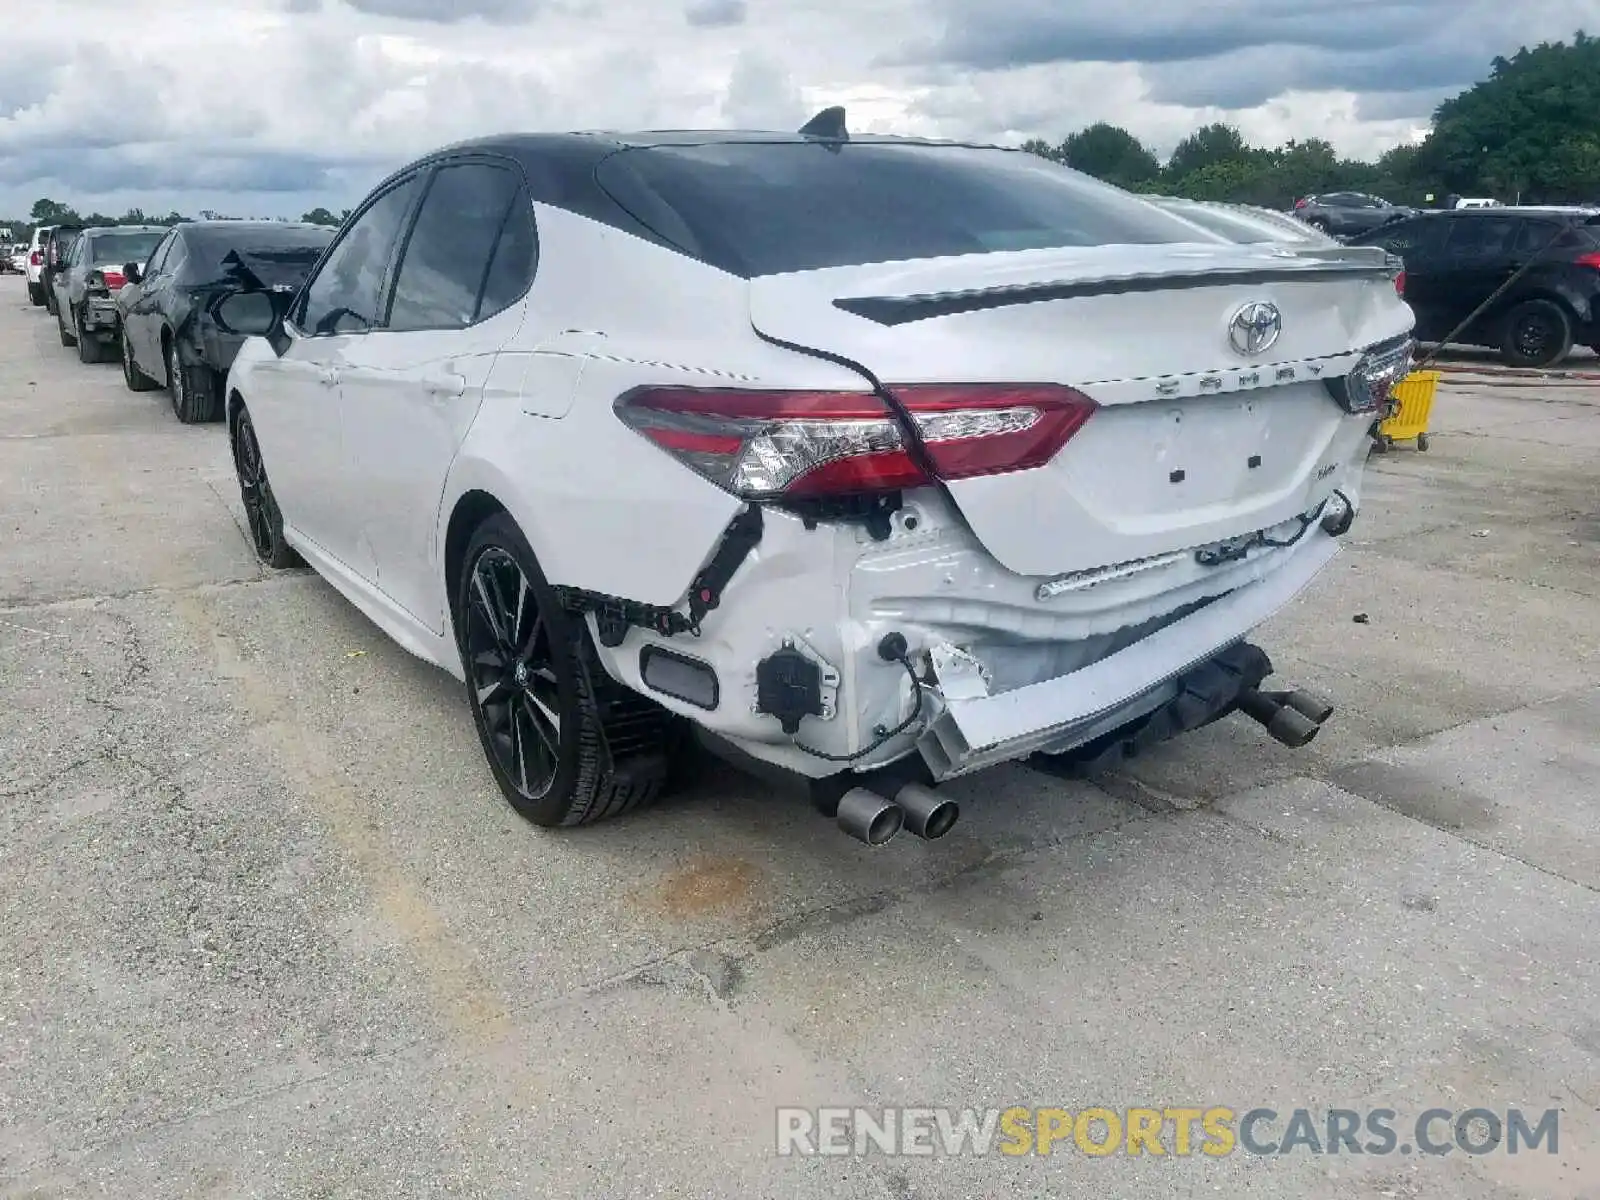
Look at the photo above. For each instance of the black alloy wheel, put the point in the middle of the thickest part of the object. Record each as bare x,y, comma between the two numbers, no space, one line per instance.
567,744
260,505
515,687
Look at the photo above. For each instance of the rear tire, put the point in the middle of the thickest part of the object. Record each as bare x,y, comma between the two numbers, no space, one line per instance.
566,743
35,295
1422,441
262,515
193,390
1537,334
89,348
136,379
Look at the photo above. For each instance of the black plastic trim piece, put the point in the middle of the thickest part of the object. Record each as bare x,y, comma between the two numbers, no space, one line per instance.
652,652
902,310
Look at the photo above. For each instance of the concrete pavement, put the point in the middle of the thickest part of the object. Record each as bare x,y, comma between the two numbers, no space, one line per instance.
269,930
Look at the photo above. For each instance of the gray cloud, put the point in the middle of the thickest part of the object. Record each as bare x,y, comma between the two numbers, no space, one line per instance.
1241,53
762,95
445,11
143,169
714,14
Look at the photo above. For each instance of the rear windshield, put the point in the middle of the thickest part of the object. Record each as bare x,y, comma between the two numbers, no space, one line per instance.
114,249
761,208
274,254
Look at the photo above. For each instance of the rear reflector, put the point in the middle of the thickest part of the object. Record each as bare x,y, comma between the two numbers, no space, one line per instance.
769,444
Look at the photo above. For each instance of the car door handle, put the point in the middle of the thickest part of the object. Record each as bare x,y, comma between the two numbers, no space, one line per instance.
444,386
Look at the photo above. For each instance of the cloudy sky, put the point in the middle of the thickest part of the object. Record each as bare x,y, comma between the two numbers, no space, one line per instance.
268,107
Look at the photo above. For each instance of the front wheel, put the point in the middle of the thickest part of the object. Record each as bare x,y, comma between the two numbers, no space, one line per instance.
540,699
1537,334
67,339
35,295
261,510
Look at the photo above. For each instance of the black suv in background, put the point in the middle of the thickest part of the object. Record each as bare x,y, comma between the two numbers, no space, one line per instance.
1454,261
1345,213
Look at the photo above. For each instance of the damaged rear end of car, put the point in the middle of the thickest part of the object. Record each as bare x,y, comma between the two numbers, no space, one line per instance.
1040,475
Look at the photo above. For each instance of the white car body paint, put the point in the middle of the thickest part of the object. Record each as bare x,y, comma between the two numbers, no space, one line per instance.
372,440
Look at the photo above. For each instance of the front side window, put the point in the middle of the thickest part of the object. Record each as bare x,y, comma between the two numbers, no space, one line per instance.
761,208
346,294
440,283
1411,240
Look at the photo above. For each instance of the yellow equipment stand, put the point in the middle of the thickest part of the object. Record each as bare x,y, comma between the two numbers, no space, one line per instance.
1408,414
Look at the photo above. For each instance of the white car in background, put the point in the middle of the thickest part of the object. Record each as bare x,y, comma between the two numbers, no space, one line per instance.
876,461
33,266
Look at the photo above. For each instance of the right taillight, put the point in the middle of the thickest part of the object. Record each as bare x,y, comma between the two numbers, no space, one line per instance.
1589,260
1367,387
765,445
1400,284
35,259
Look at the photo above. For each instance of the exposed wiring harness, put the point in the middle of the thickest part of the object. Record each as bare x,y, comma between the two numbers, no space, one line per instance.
1239,548
881,735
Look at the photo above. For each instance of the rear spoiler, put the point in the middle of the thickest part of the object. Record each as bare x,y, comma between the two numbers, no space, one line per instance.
1290,264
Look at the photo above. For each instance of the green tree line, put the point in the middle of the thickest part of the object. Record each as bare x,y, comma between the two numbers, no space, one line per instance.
50,212
1530,131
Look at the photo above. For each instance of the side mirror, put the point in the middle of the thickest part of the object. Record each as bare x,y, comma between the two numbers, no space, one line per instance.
251,313
132,273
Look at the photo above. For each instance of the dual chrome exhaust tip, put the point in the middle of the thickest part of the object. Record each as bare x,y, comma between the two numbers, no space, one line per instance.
874,818
1293,718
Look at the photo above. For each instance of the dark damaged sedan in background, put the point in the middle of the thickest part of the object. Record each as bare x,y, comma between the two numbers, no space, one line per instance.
169,337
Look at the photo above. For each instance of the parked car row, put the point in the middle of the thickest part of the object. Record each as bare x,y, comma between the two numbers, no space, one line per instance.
148,294
1524,281
853,458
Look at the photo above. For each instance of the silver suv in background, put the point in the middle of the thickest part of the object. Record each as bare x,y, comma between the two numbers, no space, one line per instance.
87,286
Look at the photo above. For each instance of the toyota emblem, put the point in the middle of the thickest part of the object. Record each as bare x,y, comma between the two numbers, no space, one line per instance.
1255,327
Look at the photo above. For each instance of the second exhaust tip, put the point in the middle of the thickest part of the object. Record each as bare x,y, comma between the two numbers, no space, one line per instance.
927,814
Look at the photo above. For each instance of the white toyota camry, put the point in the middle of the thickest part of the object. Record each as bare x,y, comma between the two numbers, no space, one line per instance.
874,460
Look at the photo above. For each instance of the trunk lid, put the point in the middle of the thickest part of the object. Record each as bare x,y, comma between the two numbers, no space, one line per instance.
1196,440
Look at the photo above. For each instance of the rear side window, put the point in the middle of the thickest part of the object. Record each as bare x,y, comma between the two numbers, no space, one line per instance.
159,258
345,295
1478,237
763,208
447,259
1535,237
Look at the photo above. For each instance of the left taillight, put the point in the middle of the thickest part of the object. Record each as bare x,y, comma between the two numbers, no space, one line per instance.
1588,260
1400,284
113,279
765,445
